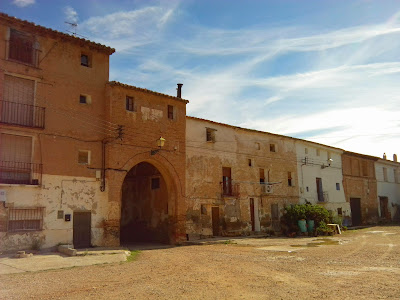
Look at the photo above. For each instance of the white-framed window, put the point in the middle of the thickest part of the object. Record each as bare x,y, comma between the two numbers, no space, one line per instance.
84,157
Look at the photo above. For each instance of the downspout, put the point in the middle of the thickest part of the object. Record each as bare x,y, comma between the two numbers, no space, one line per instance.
103,165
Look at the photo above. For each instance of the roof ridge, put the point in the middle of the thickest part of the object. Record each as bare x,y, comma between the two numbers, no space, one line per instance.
60,34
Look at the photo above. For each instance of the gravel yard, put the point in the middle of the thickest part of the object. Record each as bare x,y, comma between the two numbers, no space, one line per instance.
360,264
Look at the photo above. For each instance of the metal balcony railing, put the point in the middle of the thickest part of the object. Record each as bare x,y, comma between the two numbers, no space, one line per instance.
23,51
323,197
12,172
22,114
230,188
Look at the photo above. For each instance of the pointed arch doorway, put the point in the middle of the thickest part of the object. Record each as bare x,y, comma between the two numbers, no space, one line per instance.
144,206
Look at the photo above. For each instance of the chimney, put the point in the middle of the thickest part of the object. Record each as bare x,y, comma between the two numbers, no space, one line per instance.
395,157
179,90
384,155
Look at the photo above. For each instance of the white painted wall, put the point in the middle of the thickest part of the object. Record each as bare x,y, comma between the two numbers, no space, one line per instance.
317,166
65,193
389,188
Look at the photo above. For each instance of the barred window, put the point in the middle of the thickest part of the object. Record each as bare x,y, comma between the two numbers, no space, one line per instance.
25,219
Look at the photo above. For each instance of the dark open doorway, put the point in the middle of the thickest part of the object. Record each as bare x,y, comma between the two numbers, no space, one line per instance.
144,206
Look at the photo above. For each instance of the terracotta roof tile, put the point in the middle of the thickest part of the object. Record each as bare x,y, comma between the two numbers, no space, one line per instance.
116,83
9,20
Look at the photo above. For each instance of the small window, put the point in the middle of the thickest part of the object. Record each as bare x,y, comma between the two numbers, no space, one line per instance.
130,104
385,177
396,178
290,180
249,162
339,211
83,99
83,157
272,148
155,183
85,60
170,112
337,186
307,189
258,147
210,135
306,150
318,152
25,219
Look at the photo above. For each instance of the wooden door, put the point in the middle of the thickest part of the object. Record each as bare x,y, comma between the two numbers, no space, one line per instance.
253,223
275,217
320,192
355,205
82,229
383,203
215,220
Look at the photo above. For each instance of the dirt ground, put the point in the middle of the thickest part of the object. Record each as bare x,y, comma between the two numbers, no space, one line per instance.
359,264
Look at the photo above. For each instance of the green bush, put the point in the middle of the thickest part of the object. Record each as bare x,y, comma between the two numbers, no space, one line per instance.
296,212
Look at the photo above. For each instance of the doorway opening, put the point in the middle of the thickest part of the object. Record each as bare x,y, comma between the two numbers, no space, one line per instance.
355,206
144,206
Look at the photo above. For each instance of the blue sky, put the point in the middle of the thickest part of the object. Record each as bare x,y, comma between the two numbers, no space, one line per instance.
325,71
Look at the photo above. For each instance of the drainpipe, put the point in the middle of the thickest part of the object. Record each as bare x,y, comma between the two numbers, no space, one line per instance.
103,165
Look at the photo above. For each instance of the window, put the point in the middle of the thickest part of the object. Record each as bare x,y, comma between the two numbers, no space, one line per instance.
21,47
210,135
395,174
85,60
305,150
130,104
272,148
83,157
226,181
155,183
337,186
83,99
385,177
257,145
25,219
19,97
318,152
290,180
339,211
364,166
15,159
171,112
203,209
249,162
262,180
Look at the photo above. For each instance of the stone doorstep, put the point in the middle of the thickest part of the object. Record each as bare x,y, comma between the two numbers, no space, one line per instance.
70,251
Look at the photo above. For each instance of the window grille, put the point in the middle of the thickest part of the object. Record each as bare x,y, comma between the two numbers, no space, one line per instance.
25,219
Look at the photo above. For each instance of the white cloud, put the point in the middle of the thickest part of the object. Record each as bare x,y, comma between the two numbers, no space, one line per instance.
129,29
23,3
70,14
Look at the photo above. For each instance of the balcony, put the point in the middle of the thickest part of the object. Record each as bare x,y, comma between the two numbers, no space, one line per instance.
323,197
229,188
12,172
23,51
22,114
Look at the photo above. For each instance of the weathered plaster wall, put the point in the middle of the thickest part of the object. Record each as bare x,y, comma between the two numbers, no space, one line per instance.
313,162
390,187
64,193
234,147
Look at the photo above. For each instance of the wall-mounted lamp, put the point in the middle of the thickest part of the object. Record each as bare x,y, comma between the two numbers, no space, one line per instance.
330,160
160,144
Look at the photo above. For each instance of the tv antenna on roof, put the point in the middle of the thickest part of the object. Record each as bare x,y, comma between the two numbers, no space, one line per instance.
73,27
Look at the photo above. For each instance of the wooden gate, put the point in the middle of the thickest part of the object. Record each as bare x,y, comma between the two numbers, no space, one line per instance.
355,205
215,220
82,229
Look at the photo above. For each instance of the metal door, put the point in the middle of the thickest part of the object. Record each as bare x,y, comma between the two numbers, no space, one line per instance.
355,205
215,220
82,229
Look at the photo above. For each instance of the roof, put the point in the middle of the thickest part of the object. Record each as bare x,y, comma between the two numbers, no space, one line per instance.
259,131
116,83
360,155
9,20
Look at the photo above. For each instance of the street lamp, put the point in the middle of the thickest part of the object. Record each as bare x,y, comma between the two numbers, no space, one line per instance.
160,144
